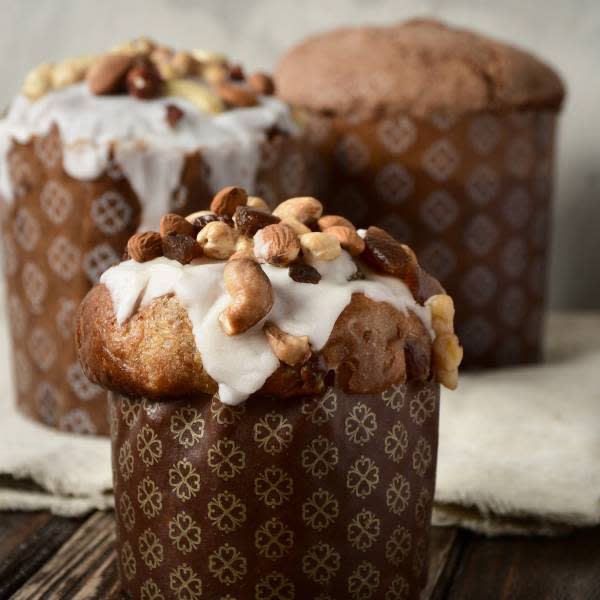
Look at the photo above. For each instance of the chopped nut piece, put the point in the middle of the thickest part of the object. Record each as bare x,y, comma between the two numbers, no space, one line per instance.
317,246
251,294
442,313
227,200
172,223
258,203
327,221
348,238
294,224
276,244
302,273
217,240
174,114
236,95
107,75
289,349
262,84
447,356
249,220
143,247
306,209
180,247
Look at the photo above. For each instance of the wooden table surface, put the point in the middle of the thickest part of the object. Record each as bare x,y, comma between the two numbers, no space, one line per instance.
43,556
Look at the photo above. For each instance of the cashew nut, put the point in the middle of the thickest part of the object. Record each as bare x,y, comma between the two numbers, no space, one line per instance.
258,203
289,349
304,208
317,246
251,293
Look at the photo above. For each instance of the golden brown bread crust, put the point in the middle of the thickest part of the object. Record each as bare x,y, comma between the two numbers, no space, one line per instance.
420,66
153,354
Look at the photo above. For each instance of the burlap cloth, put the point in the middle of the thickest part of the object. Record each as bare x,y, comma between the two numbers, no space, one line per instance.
518,448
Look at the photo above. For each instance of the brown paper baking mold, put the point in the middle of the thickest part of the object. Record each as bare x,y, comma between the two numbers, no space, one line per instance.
324,498
471,195
60,234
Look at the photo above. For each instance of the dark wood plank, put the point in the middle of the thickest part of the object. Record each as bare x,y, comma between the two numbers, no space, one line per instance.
83,568
32,539
16,527
518,568
446,544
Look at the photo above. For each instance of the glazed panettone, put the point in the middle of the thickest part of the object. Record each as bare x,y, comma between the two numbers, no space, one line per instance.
274,403
96,148
445,138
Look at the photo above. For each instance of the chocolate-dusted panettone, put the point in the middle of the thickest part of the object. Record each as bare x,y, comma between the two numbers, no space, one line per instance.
445,138
274,404
97,148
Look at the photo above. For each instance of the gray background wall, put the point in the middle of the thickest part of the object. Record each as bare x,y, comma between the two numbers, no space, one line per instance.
566,33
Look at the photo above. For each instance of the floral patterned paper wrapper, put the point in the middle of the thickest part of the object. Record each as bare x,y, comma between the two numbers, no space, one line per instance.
322,498
60,234
471,195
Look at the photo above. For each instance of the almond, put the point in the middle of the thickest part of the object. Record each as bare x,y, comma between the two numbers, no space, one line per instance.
289,349
348,238
262,84
236,95
332,221
107,74
143,247
227,200
172,223
277,245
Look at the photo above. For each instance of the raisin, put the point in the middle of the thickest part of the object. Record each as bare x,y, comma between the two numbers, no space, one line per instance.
249,220
303,273
180,247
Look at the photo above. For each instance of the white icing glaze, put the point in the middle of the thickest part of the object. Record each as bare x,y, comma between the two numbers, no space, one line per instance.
150,153
241,364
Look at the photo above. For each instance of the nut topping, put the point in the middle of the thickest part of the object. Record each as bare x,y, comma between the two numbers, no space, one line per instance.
277,245
249,220
327,221
107,74
306,209
294,224
217,240
143,247
172,223
348,238
317,246
251,296
227,200
236,95
289,349
258,203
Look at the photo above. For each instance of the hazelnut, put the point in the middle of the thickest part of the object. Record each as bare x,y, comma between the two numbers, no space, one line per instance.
318,246
348,238
306,209
217,240
227,200
277,245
